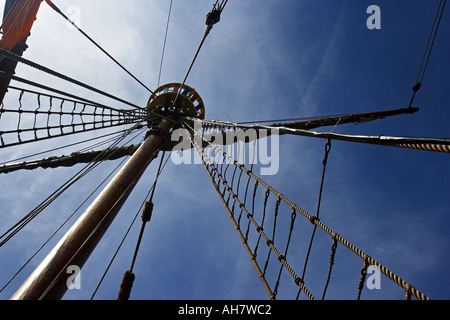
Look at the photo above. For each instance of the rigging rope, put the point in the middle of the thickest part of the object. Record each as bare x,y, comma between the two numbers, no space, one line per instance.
75,99
128,231
212,18
214,172
331,120
63,224
71,145
56,9
39,67
417,143
47,88
324,163
92,234
164,44
70,117
219,178
12,231
418,84
128,278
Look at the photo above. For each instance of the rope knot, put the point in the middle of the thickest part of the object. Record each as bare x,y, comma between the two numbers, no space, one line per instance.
408,289
298,281
366,258
313,219
334,235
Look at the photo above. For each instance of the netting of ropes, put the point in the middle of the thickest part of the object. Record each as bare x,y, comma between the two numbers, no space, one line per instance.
50,116
264,218
240,191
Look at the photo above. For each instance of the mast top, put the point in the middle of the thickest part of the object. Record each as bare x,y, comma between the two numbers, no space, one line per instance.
177,99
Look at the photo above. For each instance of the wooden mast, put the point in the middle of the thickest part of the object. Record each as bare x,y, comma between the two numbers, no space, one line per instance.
49,279
18,18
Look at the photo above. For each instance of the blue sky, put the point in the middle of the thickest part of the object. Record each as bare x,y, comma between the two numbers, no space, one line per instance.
264,60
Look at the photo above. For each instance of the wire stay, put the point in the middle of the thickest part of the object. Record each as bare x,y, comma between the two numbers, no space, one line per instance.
39,67
428,49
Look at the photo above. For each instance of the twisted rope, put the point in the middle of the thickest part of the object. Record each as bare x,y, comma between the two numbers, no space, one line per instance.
409,289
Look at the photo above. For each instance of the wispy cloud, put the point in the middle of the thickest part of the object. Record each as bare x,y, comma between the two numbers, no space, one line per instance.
264,61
